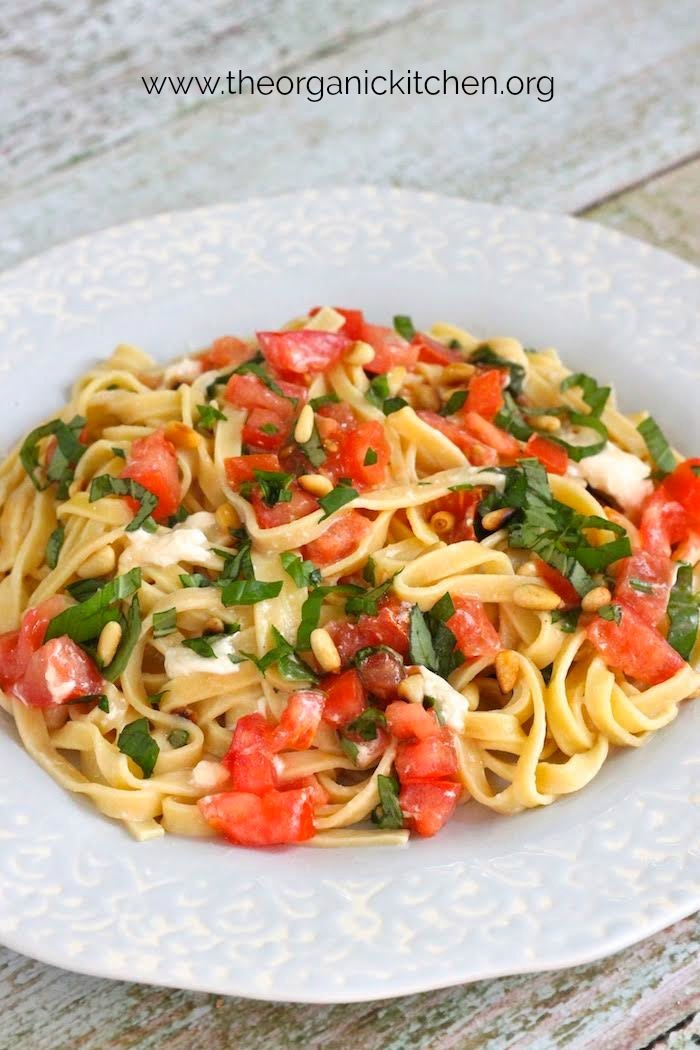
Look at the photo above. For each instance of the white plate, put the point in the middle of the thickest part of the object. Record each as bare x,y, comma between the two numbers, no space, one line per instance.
490,895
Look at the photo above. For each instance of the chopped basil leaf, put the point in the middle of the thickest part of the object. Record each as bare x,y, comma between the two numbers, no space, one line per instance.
350,749
370,458
566,621
420,649
119,452
155,698
454,344
590,422
64,459
269,428
249,592
164,623
641,585
84,621
454,403
195,579
444,608
369,573
103,704
404,326
366,724
367,602
393,404
54,544
388,813
313,449
658,446
431,643
612,612
106,485
311,610
336,499
683,612
303,573
181,514
486,356
82,589
274,486
324,399
208,416
466,486
511,419
136,742
594,396
131,630
178,737
378,390
238,564
256,367
201,646
289,664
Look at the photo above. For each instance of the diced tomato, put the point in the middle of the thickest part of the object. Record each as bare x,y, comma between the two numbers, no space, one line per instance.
389,627
410,721
368,751
356,444
354,320
504,444
263,428
298,506
476,636
664,523
432,758
433,352
299,721
317,794
485,394
477,452
340,540
338,412
305,350
345,698
654,574
427,805
462,504
276,818
57,672
249,391
225,352
8,659
683,485
249,758
241,468
390,349
557,582
553,457
381,673
634,647
17,647
152,462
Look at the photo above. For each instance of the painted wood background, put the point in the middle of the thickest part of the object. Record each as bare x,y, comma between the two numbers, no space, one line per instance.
82,146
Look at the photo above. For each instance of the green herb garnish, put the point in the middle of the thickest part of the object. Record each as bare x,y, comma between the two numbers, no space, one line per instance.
209,415
106,485
54,544
683,612
65,458
657,445
136,742
164,623
337,498
404,326
388,813
454,403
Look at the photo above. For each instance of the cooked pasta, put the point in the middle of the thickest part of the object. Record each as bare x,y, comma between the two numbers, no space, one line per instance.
329,583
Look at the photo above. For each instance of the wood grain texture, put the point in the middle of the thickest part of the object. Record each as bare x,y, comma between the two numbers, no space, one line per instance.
626,102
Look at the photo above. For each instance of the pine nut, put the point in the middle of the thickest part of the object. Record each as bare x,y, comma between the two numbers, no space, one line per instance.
507,670
214,625
426,397
457,372
540,599
305,425
547,423
181,435
596,598
315,484
324,649
412,688
360,354
442,522
101,563
528,568
227,517
108,643
495,518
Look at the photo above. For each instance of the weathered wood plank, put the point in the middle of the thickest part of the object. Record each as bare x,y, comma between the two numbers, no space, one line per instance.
617,115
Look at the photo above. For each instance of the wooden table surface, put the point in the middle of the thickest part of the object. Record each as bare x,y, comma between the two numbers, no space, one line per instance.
83,146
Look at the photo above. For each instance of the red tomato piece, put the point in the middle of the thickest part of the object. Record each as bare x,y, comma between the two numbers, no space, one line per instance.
345,698
225,352
339,413
354,320
299,506
276,818
433,352
476,636
410,721
317,794
340,540
683,486
249,391
485,394
355,445
389,627
299,721
504,444
664,523
57,672
8,659
553,457
241,468
432,758
33,628
427,805
390,349
558,583
654,574
381,673
462,505
264,428
152,462
303,351
477,452
249,758
634,647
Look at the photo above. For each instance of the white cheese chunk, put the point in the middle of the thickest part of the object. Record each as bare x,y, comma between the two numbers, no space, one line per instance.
187,542
59,687
184,371
207,774
452,706
618,474
181,661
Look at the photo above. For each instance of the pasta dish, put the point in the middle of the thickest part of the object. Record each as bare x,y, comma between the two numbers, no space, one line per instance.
327,584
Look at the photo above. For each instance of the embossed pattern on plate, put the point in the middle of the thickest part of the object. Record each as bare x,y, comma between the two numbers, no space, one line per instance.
490,895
